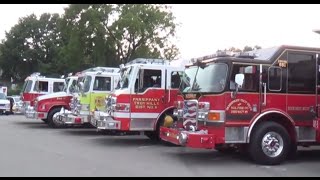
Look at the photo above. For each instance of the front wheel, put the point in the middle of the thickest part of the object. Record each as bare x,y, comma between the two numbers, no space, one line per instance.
269,144
53,119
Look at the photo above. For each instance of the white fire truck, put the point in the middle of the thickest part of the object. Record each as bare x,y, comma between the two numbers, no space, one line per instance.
143,98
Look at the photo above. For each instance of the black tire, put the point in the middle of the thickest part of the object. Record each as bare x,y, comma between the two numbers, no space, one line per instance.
45,120
255,146
51,122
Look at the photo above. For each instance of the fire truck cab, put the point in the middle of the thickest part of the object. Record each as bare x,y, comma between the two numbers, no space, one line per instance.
264,101
36,85
95,85
47,106
143,99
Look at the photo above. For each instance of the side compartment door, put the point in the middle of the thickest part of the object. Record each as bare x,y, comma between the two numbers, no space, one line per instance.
301,97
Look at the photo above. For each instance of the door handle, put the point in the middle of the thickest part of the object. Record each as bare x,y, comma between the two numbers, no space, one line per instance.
264,94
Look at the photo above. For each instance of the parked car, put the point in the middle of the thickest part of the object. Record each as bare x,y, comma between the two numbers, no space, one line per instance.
4,104
15,104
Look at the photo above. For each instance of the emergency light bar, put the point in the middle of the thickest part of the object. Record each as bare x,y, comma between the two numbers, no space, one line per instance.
211,56
148,61
247,55
101,69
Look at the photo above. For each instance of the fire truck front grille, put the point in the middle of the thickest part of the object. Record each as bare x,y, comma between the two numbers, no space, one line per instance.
73,105
190,109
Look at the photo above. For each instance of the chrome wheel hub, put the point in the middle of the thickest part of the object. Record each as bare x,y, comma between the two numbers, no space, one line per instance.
57,119
272,144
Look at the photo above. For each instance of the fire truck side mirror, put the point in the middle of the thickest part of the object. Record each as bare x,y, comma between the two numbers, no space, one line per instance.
238,83
239,79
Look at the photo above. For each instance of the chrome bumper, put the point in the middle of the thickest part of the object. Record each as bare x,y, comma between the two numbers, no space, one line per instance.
30,113
71,119
105,122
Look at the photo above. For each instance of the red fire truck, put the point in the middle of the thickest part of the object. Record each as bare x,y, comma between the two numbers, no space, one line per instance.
145,95
47,106
264,101
36,85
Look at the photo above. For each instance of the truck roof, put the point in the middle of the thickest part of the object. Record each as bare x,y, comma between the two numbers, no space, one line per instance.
261,56
154,62
44,78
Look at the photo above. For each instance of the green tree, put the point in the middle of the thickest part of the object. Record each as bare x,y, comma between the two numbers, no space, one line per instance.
31,45
143,30
87,35
85,39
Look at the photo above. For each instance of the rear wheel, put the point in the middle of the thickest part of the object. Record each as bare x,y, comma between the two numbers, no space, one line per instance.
269,144
53,119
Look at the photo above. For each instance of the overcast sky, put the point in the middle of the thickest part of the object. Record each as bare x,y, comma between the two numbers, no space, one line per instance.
206,28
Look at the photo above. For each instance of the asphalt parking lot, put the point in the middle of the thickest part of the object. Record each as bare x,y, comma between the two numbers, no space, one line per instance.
31,148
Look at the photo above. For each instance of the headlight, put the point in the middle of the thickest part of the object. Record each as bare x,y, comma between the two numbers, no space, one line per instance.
183,137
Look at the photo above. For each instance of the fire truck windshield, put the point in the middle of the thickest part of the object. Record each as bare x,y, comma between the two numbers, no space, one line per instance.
187,80
211,78
87,83
125,76
27,86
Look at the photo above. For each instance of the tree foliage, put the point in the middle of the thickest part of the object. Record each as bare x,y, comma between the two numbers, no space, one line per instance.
87,35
